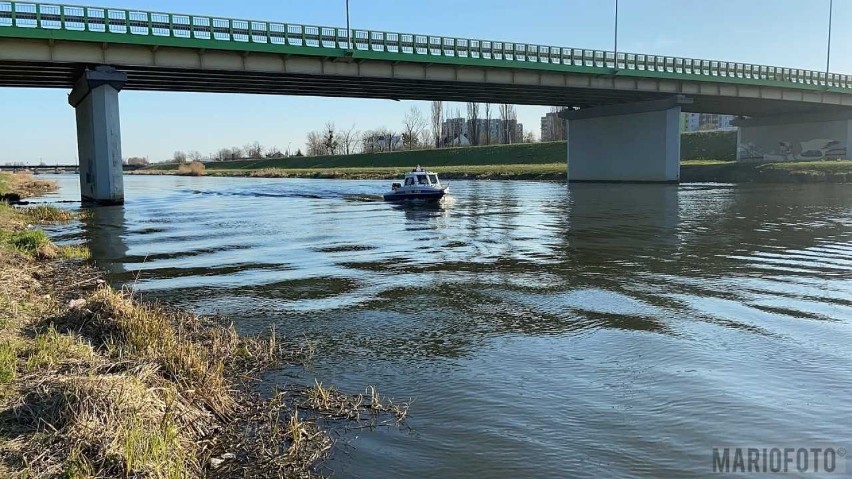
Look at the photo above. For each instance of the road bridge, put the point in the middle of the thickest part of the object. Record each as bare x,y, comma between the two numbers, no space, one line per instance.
622,108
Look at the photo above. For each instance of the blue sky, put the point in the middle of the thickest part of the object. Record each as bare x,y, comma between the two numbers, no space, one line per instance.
777,32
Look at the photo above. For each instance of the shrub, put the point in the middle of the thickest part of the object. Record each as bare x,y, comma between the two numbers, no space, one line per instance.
196,168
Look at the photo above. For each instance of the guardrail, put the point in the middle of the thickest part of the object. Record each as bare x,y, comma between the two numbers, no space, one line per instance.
30,15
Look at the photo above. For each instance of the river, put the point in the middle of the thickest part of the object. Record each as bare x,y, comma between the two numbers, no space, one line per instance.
541,330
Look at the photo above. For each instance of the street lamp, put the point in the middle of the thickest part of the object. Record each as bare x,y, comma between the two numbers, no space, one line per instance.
828,54
348,29
616,34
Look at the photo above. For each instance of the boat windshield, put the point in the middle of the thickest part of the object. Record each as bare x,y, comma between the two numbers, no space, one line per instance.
434,179
421,179
409,181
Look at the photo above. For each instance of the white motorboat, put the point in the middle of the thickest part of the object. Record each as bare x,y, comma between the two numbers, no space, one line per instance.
419,185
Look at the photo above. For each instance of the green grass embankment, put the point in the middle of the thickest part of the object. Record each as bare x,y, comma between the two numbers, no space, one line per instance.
706,156
554,171
520,154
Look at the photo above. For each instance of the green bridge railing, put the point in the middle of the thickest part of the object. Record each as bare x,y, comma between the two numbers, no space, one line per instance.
120,25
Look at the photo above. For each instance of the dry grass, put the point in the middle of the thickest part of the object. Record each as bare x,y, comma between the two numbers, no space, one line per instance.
15,186
46,214
75,252
94,383
119,388
196,168
97,384
8,361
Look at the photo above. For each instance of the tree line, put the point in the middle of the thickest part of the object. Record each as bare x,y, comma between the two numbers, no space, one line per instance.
254,151
481,124
443,128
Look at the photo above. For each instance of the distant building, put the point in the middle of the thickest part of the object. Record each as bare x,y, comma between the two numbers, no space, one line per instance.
552,127
136,161
454,132
512,132
489,130
690,122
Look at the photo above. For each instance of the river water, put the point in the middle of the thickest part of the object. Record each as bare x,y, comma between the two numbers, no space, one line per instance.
541,330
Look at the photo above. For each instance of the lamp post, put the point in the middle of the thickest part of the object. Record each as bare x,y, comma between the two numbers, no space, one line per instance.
615,42
828,53
348,29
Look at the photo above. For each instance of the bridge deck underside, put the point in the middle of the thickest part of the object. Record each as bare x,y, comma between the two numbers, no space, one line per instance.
148,78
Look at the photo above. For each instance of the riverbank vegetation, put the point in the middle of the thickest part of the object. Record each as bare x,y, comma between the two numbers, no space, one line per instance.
518,154
705,157
196,168
17,186
549,172
95,383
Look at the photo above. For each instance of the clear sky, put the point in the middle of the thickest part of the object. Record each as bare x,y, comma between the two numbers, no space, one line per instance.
39,125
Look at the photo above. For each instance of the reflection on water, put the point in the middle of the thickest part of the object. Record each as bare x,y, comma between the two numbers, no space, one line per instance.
104,231
605,330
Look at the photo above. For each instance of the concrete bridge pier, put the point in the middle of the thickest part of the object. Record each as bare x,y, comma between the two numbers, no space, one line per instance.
632,142
95,99
799,137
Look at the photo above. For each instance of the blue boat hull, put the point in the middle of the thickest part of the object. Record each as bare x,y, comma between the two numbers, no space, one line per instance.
425,196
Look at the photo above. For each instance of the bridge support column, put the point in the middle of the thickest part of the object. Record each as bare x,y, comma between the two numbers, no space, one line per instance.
800,137
95,99
634,142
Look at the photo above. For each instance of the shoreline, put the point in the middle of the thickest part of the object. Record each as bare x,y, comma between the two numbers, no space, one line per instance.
96,382
695,171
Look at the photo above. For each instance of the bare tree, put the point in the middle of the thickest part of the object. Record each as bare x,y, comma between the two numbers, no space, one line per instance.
389,138
437,119
380,140
348,140
237,153
274,152
473,122
488,123
329,140
227,154
221,155
426,138
179,157
529,137
413,125
254,150
314,144
508,123
195,155
367,144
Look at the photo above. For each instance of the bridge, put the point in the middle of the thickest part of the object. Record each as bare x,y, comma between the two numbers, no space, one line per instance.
622,108
40,168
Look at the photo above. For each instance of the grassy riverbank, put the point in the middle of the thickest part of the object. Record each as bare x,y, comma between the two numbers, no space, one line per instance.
839,171
553,171
519,154
17,186
95,383
706,157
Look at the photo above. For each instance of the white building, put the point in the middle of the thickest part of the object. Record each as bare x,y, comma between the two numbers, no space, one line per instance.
690,122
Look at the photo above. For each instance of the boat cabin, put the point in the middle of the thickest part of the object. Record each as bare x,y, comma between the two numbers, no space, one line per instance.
422,178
